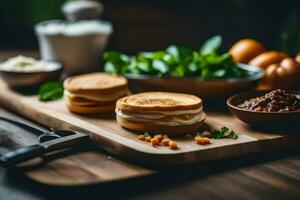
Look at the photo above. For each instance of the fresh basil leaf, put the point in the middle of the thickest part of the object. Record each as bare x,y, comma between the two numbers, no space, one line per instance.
177,61
114,56
206,73
147,55
146,134
116,63
214,59
110,67
52,90
156,55
219,73
193,67
111,55
145,67
174,52
160,66
179,53
212,45
168,59
132,67
179,71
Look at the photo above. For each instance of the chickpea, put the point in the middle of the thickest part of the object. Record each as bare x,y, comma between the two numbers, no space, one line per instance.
173,145
198,140
141,137
148,138
197,137
154,142
159,137
205,140
202,140
165,141
165,136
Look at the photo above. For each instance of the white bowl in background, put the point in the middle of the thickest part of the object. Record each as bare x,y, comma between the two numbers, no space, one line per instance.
78,45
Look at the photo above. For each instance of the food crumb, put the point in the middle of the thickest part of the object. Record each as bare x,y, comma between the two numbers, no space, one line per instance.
173,145
202,140
158,140
159,137
165,136
141,137
165,141
154,142
148,139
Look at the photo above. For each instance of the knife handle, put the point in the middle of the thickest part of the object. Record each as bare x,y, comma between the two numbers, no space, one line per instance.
22,154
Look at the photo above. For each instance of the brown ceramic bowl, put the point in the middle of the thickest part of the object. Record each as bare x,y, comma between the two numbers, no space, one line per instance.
214,89
259,118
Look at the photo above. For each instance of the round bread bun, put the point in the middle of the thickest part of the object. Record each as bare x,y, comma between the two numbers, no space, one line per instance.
159,129
268,58
244,50
93,82
87,110
158,101
79,101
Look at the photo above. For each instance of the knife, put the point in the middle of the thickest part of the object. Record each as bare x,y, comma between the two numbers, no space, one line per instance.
48,142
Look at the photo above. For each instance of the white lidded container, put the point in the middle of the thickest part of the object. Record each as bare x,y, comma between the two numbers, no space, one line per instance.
75,10
78,44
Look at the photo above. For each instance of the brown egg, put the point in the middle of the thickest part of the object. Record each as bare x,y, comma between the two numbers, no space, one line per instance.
244,50
297,58
265,59
288,67
271,74
286,74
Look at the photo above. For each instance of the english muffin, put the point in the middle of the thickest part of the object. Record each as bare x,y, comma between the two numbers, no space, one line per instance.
161,113
93,82
94,93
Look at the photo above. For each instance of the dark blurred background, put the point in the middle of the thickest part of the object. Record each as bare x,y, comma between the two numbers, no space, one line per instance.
154,24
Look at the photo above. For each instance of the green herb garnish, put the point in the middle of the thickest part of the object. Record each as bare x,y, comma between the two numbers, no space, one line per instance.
233,135
146,134
224,132
50,91
179,61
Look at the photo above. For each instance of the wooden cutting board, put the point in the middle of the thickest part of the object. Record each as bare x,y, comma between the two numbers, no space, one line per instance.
108,135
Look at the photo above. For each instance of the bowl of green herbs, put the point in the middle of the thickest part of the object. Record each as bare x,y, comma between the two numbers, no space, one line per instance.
204,72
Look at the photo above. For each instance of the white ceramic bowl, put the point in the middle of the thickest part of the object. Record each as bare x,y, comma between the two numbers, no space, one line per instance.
18,79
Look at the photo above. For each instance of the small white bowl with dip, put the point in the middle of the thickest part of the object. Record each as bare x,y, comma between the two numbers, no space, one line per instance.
21,71
78,45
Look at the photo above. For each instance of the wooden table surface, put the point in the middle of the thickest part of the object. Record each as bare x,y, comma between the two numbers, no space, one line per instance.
273,175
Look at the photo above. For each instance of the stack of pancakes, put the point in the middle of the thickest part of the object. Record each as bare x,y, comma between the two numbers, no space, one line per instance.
161,113
94,93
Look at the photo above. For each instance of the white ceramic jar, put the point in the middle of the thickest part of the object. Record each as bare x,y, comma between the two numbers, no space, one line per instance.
78,45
